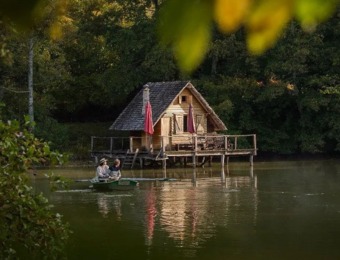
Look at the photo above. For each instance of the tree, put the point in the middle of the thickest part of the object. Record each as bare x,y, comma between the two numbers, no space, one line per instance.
27,223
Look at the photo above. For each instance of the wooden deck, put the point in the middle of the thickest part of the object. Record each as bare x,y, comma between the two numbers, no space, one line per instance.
192,147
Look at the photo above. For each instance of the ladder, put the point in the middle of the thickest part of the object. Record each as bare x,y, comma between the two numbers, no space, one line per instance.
130,159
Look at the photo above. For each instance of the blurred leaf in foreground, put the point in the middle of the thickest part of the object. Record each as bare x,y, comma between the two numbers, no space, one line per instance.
186,25
265,23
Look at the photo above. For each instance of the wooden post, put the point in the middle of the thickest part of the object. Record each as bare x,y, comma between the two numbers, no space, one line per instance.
195,143
227,160
223,175
195,152
163,153
131,144
92,142
254,140
222,160
111,144
164,164
251,160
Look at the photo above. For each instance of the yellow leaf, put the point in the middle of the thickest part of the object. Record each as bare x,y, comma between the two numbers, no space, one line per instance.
266,22
312,12
55,31
229,14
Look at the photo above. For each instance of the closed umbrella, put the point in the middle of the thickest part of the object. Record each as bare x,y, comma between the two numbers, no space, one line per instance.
190,120
148,124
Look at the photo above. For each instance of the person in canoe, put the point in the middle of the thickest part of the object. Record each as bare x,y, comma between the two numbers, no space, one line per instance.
103,170
114,170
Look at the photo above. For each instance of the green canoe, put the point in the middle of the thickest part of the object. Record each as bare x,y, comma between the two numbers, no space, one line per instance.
115,185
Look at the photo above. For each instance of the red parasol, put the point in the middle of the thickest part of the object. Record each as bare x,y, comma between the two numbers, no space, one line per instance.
190,120
148,125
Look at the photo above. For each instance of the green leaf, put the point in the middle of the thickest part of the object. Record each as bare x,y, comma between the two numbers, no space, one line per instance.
312,12
187,26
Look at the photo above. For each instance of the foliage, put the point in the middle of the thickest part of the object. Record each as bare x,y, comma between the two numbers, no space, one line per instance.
186,24
27,222
288,96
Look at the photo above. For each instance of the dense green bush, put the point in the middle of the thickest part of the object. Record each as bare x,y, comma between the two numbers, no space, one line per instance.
27,222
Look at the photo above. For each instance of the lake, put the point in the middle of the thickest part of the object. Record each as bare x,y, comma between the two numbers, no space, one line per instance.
273,210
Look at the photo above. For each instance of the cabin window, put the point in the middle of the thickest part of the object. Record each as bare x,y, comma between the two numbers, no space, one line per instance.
183,99
178,124
185,123
199,124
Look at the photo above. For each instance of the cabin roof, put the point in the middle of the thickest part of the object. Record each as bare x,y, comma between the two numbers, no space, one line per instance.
161,95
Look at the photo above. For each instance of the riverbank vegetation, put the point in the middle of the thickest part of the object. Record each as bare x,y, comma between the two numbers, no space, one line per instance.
289,96
28,225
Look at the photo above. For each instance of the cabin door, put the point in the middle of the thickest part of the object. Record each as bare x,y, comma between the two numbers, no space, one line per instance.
166,131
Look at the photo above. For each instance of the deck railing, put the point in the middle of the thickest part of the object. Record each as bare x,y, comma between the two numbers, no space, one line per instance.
114,144
109,144
209,142
195,143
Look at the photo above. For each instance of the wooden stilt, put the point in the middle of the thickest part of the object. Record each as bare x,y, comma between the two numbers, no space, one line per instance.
251,160
227,160
222,160
194,161
164,164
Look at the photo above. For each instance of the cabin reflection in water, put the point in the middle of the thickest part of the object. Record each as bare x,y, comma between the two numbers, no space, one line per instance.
187,210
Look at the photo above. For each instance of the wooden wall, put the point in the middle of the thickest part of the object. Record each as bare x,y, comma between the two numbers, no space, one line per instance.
175,118
176,113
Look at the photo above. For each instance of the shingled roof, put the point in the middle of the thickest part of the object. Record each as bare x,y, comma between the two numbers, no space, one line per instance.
161,95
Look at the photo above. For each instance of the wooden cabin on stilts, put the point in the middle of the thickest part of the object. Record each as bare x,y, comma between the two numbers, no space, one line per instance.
173,140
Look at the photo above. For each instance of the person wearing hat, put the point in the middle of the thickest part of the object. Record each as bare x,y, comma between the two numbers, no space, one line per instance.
102,169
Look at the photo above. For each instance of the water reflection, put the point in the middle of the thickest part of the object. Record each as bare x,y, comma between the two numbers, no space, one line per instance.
238,211
106,205
187,210
150,216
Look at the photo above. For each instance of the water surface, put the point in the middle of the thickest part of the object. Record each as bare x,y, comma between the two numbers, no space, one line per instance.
273,210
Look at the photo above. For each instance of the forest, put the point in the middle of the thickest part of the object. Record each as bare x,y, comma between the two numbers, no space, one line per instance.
84,75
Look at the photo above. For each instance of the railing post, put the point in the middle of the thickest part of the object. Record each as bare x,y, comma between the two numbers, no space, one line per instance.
163,145
255,145
235,142
195,142
131,144
225,142
111,144
163,152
